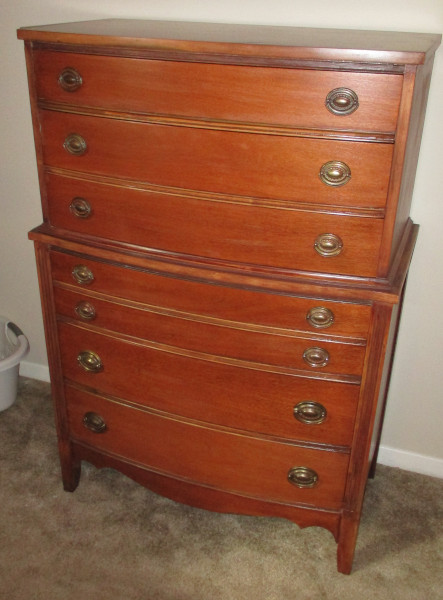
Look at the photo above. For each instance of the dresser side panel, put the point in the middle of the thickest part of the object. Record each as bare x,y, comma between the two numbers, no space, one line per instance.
405,160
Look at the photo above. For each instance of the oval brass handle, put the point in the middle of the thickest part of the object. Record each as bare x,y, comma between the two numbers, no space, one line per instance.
90,361
316,357
80,208
303,477
94,422
75,144
328,244
335,173
342,101
320,317
310,413
70,79
85,310
82,274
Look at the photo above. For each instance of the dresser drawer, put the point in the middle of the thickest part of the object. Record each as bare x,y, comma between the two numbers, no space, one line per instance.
245,164
248,232
222,92
241,341
210,300
214,390
246,465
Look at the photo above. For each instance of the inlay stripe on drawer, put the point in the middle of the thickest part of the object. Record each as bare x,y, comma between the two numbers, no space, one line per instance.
232,232
218,301
224,92
213,391
248,465
248,344
340,362
137,319
218,161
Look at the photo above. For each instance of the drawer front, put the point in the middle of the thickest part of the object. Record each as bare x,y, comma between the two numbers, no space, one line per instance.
241,342
259,165
213,301
240,464
228,92
235,232
212,390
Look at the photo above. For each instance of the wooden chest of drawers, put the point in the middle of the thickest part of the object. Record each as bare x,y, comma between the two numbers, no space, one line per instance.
224,248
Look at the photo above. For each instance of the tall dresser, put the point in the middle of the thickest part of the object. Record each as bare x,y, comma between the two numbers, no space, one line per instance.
224,246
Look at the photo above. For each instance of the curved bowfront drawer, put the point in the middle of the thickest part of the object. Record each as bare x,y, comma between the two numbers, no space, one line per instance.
228,162
214,390
243,232
361,101
247,465
314,315
240,341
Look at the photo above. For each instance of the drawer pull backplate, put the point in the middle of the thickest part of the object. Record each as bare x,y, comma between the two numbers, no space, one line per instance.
328,244
335,173
90,361
316,357
310,413
320,317
85,310
342,101
80,208
75,144
303,477
94,422
82,274
70,79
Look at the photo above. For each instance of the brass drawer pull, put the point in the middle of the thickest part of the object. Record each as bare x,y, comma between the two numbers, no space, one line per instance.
335,173
94,422
316,357
70,79
328,244
342,101
82,274
320,317
310,413
90,361
75,144
80,208
85,310
303,477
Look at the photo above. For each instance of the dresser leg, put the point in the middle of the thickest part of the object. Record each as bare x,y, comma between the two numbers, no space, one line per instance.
71,470
373,466
347,538
71,477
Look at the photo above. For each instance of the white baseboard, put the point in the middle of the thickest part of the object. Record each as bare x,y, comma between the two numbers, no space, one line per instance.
410,461
34,371
391,457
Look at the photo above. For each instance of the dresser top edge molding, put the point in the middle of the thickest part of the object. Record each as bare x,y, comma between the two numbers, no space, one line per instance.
282,42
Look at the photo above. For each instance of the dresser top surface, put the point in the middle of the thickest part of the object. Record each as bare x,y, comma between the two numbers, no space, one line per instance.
249,40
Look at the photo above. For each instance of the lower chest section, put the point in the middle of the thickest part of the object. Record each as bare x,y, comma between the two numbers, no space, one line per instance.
235,389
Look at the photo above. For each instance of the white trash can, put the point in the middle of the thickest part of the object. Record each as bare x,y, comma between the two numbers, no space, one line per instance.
14,346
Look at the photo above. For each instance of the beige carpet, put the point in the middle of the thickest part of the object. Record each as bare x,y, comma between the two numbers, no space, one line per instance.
114,540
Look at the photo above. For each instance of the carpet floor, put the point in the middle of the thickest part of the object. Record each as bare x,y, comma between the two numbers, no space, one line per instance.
114,540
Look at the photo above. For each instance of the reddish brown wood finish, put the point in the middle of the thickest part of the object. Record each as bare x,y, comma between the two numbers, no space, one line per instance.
289,282
268,166
228,92
204,146
210,389
231,305
193,226
245,41
208,498
253,466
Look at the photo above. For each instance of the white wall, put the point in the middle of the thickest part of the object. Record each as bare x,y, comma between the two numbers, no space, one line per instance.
412,434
